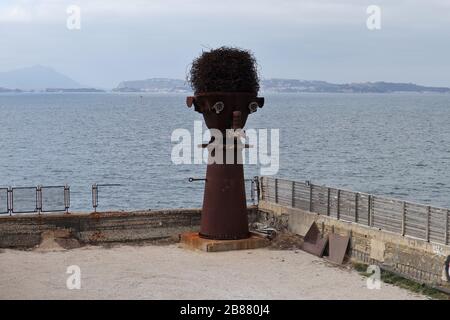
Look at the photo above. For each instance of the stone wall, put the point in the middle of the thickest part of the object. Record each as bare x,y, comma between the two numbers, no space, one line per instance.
26,231
414,258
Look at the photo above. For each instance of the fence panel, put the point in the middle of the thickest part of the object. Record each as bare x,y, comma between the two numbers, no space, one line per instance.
284,192
53,198
301,195
269,191
24,200
319,199
334,200
4,201
363,208
437,225
416,219
347,206
410,219
387,214
447,227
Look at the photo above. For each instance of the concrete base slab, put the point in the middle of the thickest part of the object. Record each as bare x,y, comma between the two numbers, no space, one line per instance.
192,240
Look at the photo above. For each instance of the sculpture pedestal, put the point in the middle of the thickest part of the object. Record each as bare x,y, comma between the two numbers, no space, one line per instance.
224,212
192,240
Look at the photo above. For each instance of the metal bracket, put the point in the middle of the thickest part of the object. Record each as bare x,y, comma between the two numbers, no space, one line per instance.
196,179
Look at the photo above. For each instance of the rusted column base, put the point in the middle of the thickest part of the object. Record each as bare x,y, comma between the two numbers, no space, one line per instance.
192,240
224,213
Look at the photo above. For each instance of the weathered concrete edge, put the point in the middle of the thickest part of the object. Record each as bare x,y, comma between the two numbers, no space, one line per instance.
415,258
26,231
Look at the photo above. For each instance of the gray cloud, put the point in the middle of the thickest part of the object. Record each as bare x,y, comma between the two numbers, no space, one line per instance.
133,39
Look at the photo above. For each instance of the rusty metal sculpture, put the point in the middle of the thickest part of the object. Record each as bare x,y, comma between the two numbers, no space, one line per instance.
224,212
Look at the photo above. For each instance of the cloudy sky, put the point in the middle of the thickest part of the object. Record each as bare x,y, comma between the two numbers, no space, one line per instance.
303,39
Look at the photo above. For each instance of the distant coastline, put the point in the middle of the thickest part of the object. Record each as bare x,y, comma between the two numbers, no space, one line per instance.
358,89
165,85
47,80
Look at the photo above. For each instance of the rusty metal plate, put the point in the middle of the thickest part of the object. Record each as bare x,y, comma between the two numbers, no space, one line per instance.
313,233
317,248
337,248
314,243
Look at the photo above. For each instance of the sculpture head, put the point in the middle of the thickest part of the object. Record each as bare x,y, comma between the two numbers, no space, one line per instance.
226,85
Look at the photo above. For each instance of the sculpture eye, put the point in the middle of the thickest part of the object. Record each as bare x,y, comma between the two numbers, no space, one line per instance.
218,107
253,106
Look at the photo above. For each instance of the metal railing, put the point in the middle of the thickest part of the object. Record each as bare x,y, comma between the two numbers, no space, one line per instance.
42,199
47,199
95,188
252,194
398,216
34,199
4,200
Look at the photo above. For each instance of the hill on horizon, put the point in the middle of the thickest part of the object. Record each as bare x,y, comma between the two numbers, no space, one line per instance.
36,78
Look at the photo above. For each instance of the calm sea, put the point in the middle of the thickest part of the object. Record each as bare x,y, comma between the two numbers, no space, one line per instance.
389,144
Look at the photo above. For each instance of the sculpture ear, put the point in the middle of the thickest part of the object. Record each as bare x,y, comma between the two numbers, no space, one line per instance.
260,102
190,101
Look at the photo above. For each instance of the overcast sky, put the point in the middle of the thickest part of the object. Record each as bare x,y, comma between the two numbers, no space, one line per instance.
304,39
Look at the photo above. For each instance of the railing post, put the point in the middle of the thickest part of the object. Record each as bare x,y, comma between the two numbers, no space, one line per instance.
328,201
95,197
369,211
338,204
356,206
310,196
293,194
446,227
9,201
428,223
261,188
276,190
67,197
252,191
39,199
404,218
258,188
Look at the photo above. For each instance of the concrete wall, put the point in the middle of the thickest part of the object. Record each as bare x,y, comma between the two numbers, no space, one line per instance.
414,258
26,231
